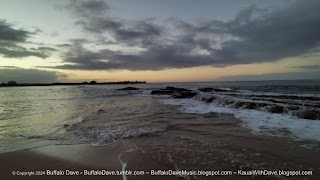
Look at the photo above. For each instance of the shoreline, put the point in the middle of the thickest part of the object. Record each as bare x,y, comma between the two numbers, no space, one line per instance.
72,84
119,156
175,149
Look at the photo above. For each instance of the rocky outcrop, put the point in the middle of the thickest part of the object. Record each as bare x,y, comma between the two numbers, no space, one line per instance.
277,109
184,94
162,92
175,92
208,99
214,90
169,88
129,88
309,114
266,103
100,111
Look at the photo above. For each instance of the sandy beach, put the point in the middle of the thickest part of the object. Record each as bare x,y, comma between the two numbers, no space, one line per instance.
72,158
97,132
144,154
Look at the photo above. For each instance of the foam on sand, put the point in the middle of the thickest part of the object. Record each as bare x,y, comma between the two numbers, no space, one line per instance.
108,134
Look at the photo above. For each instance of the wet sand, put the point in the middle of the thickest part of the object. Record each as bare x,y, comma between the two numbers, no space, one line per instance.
162,152
78,158
212,142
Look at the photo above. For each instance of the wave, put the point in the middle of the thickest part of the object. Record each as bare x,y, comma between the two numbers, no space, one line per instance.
261,123
286,115
103,135
301,106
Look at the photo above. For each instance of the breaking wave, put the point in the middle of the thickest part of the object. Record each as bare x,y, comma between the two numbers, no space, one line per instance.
295,116
103,135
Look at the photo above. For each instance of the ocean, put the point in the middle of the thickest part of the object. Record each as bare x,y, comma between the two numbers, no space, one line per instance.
253,124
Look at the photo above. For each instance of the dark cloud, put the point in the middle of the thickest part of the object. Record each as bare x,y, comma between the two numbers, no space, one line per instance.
45,49
128,32
7,33
287,32
27,75
20,52
273,76
93,17
170,55
63,45
10,40
9,67
254,35
87,8
312,67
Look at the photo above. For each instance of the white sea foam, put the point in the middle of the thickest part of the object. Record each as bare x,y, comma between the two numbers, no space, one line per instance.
195,106
261,123
111,134
144,93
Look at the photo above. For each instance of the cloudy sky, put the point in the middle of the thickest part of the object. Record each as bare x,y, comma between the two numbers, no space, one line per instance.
158,40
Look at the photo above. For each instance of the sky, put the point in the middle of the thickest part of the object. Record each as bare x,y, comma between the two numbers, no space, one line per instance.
47,41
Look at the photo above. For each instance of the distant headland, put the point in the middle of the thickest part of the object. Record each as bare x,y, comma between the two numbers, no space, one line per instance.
15,84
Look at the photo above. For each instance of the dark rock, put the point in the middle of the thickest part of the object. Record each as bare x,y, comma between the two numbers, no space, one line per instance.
276,109
162,92
293,108
309,114
169,88
184,94
175,92
208,100
214,90
12,83
298,97
129,88
100,111
239,104
206,89
222,90
228,101
251,105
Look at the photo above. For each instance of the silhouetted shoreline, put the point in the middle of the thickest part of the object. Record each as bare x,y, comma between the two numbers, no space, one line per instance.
68,84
